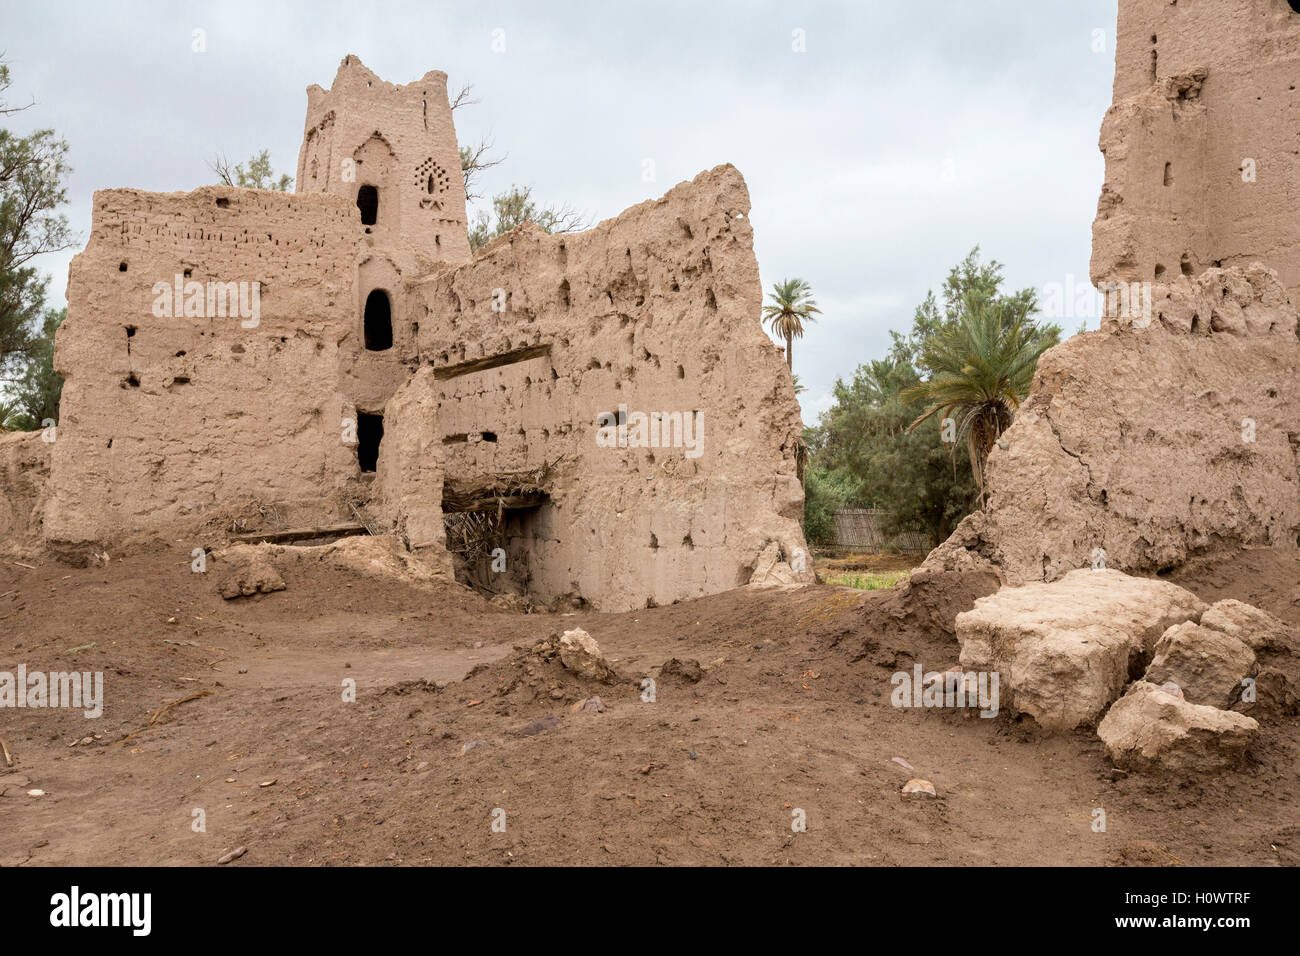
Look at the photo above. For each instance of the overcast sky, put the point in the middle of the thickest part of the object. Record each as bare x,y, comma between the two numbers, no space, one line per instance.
904,134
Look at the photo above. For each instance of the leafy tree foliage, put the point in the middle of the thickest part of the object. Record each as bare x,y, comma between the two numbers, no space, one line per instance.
790,304
517,206
33,169
257,174
883,442
37,390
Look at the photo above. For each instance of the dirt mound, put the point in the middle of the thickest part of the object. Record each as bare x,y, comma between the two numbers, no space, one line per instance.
916,615
1265,577
535,674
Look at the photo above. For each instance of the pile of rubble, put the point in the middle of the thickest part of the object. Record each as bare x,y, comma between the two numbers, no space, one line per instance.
1168,681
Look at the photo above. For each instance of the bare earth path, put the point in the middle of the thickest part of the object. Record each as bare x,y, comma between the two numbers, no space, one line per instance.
713,772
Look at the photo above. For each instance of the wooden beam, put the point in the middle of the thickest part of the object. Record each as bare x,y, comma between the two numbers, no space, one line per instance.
492,361
298,534
507,502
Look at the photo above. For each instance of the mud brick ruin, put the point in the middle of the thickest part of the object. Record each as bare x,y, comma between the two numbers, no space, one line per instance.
1173,431
1201,160
603,406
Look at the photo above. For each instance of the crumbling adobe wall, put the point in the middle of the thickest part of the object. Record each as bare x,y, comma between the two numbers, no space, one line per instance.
1201,166
24,478
1171,431
1151,443
164,418
656,310
411,470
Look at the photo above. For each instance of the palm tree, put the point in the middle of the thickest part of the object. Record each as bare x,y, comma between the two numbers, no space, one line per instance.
9,412
982,366
791,305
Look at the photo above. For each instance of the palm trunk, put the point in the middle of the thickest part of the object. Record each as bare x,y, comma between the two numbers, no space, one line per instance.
985,431
789,352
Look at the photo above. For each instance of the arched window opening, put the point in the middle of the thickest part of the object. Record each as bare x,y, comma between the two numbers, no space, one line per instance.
370,432
377,323
368,203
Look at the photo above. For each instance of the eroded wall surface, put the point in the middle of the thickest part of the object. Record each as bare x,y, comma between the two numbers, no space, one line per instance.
1201,161
1140,446
1175,429
170,408
654,312
24,478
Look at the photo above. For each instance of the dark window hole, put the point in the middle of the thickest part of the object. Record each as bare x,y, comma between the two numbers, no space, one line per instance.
370,432
378,322
368,203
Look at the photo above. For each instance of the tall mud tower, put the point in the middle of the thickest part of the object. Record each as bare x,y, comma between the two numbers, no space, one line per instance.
392,150
1202,143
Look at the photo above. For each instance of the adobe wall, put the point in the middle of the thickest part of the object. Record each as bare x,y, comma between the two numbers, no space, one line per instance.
1142,445
24,476
1171,431
164,418
1202,90
656,310
411,471
180,418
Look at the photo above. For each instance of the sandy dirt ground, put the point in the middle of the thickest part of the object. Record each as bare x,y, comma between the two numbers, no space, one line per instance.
449,734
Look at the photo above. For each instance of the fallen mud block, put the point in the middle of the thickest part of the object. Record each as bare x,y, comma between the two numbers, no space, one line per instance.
1150,729
1254,627
1066,650
1207,665
580,655
251,572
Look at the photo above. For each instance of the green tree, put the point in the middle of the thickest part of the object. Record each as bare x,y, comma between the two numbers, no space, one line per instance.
258,174
824,492
33,169
790,305
863,440
9,416
980,367
37,391
884,436
970,280
517,206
